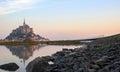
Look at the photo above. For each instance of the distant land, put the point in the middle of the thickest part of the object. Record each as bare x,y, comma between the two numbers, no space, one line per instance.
23,33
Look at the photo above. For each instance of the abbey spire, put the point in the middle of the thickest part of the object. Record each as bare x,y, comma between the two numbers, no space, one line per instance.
24,23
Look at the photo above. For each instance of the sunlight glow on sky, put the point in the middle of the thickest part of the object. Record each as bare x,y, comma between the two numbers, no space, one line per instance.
62,19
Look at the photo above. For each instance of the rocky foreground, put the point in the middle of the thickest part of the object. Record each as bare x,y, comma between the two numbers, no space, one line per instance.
102,55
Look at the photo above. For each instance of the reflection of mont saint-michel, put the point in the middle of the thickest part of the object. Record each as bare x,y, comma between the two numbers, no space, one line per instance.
24,52
24,32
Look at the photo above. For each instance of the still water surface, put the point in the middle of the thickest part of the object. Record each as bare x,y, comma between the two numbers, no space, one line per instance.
22,55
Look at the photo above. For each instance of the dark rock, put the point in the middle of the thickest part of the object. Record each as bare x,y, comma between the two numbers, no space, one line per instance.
9,67
115,67
91,70
37,65
61,53
80,70
93,66
65,49
47,58
102,61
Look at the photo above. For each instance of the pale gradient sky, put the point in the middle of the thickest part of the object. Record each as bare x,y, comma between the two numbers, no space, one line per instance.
62,19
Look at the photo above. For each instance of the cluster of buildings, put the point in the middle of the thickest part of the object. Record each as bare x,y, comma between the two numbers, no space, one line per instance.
24,32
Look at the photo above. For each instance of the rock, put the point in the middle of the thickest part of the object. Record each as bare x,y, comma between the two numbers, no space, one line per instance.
80,70
60,53
65,49
115,67
37,65
105,69
9,67
91,70
94,67
75,67
102,61
47,58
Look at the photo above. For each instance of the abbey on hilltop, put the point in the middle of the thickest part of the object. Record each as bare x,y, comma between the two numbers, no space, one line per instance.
24,32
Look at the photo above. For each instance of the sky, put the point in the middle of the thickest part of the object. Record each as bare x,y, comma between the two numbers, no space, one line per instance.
62,19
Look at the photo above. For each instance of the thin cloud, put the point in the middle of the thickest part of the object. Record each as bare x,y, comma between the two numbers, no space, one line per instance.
11,6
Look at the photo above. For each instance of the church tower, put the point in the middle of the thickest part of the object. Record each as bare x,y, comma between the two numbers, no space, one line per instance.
24,23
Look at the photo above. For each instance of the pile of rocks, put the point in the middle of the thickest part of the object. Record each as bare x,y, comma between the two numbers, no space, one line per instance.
96,57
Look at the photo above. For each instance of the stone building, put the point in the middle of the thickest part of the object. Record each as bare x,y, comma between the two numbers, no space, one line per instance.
24,32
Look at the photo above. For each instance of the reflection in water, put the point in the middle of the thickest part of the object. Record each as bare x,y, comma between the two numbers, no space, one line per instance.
22,55
24,52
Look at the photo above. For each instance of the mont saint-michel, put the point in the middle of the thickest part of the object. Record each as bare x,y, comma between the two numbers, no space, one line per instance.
23,33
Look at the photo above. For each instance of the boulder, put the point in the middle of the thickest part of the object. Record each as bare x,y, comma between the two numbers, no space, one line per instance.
9,67
65,49
93,66
91,70
37,65
102,61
